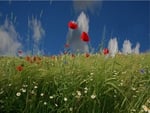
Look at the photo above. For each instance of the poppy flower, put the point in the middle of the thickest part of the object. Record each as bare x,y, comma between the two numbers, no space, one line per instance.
72,55
53,57
19,68
28,58
65,52
20,53
34,58
87,55
67,45
72,25
85,37
39,59
105,51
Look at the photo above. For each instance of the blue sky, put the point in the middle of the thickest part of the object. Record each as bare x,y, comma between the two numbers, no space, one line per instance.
124,20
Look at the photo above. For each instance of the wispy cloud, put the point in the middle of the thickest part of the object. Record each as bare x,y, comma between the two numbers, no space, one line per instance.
127,47
87,5
37,33
9,43
37,30
136,50
83,22
113,47
73,36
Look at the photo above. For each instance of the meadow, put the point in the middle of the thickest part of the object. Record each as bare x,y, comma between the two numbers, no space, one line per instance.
75,84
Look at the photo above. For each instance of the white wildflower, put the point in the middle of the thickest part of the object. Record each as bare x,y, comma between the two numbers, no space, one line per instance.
134,96
121,84
133,88
42,94
93,96
24,85
86,88
65,99
45,103
85,91
56,105
51,97
91,79
1,92
78,93
32,92
133,110
23,90
91,73
145,108
18,94
71,109
35,87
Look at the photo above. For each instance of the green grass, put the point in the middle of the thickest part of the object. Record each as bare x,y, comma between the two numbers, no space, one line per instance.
75,85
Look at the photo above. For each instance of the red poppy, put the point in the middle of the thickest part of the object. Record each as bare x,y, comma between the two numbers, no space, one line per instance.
39,59
67,45
87,55
105,51
19,52
53,57
28,58
72,25
34,58
65,52
19,68
72,55
85,37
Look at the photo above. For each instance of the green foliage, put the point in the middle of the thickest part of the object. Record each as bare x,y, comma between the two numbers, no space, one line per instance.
79,84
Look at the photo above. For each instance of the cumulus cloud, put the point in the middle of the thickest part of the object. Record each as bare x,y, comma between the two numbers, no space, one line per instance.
73,36
127,47
113,47
86,5
9,43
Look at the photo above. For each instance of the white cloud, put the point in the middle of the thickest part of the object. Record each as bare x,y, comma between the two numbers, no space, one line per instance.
37,33
113,47
8,39
73,36
136,50
83,22
87,5
127,47
37,29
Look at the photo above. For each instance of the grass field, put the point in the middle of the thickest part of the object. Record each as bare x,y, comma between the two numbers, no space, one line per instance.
75,84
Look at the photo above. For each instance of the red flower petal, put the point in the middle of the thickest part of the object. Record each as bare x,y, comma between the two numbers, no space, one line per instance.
28,58
19,68
85,37
19,52
105,51
67,45
87,55
72,25
72,55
